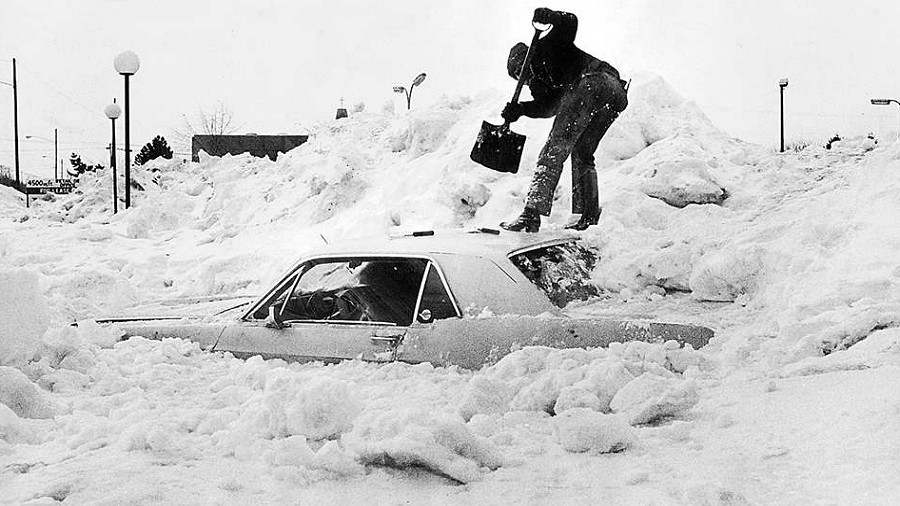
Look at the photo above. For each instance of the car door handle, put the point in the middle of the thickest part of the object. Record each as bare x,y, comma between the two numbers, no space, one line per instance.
387,338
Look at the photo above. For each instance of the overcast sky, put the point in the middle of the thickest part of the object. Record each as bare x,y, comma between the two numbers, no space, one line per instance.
283,65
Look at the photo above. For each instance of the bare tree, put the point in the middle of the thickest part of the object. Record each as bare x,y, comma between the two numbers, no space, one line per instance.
220,121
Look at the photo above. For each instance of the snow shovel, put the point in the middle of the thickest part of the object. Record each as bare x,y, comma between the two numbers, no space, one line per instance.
498,147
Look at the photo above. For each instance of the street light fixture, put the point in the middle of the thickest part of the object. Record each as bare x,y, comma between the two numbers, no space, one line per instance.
127,64
55,142
886,101
112,112
402,89
782,84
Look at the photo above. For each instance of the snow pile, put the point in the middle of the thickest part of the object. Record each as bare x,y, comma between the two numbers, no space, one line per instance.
880,347
11,203
677,151
791,258
829,282
24,318
643,381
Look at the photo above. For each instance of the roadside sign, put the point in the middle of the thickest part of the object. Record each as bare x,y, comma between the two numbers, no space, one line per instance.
44,186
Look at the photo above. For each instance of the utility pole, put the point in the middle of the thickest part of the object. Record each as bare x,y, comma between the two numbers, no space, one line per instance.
56,153
16,120
15,117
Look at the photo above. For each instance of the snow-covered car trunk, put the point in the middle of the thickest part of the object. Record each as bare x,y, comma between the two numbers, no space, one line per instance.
474,342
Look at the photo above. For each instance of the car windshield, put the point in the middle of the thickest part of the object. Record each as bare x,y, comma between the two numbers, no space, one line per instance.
383,290
562,271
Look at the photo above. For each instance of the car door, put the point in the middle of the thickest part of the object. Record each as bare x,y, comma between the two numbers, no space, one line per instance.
332,309
313,341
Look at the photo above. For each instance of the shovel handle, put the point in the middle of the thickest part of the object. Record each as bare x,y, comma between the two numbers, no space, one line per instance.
521,82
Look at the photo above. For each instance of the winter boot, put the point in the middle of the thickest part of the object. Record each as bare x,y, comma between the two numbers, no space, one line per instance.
585,221
590,207
528,221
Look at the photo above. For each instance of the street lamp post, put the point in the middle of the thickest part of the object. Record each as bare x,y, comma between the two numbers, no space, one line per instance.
112,112
402,89
127,64
782,84
886,101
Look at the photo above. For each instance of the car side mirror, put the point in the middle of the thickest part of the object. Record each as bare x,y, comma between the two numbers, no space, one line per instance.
274,321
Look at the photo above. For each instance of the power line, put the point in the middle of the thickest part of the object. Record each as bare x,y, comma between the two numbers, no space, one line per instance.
55,89
67,148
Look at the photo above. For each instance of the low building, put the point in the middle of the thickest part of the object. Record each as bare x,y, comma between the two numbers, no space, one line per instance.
256,145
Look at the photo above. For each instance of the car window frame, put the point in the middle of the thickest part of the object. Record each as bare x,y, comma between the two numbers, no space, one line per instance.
432,264
540,245
293,275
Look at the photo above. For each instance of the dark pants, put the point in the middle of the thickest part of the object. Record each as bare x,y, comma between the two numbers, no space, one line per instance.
585,114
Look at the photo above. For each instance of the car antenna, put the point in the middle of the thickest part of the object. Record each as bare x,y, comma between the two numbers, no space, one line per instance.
323,238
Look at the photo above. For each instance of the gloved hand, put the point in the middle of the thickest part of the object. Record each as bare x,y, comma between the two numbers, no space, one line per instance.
512,112
543,15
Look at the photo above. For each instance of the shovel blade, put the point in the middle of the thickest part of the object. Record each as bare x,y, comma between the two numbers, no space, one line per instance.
498,148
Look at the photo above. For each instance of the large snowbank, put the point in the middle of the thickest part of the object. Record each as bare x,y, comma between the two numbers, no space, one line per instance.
791,258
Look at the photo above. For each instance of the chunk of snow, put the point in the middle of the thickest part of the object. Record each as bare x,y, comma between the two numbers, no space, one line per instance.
584,430
12,430
576,397
683,182
22,396
605,378
333,458
291,451
443,445
725,275
24,315
649,398
485,395
320,408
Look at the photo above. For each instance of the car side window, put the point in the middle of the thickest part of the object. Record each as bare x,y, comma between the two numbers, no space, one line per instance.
436,303
379,290
562,271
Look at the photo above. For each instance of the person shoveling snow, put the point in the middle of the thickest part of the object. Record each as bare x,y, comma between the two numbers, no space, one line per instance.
585,94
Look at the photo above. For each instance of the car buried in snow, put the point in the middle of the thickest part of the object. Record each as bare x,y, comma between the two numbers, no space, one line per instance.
448,298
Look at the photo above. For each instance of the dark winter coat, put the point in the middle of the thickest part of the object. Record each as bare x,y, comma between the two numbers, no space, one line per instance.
556,66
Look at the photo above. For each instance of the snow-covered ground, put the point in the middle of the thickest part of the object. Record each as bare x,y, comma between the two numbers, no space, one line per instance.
792,258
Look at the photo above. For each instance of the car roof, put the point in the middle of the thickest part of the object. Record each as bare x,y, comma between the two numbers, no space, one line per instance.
460,253
487,243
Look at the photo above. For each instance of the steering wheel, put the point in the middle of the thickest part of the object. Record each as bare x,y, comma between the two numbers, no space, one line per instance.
321,306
